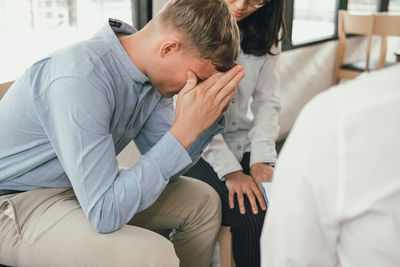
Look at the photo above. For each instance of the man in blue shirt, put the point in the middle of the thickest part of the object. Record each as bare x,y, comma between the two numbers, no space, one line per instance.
68,116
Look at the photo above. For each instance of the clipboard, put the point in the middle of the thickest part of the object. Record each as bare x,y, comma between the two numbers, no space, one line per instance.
266,190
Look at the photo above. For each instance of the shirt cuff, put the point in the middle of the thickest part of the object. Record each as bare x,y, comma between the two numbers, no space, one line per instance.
223,162
263,152
169,155
221,174
205,138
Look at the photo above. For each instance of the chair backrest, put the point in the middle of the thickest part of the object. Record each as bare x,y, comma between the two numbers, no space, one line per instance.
356,23
382,24
4,87
349,23
386,24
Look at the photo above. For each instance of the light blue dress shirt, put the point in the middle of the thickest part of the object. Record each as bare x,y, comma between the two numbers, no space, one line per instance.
67,117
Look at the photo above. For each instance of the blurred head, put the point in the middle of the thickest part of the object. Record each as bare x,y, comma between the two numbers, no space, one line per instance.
260,23
195,35
243,8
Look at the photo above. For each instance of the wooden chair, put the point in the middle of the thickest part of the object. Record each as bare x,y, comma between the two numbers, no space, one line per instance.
380,24
4,87
225,247
352,24
386,25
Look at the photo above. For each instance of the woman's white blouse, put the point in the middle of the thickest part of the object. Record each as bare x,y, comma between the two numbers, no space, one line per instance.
252,119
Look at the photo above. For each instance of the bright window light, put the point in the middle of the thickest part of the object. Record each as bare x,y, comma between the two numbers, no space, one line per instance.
394,6
369,6
31,29
313,20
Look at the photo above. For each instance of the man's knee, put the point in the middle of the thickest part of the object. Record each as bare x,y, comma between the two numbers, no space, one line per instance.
141,248
208,202
161,253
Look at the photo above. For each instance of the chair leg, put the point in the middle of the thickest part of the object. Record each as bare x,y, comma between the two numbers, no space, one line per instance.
336,78
336,81
225,247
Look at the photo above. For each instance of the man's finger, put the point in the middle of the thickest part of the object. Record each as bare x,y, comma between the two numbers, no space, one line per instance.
206,84
226,100
191,82
229,88
225,104
224,80
226,107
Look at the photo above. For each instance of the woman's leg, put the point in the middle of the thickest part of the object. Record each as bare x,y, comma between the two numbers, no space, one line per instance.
246,228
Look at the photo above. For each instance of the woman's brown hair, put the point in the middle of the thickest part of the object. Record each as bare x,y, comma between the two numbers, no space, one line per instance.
263,29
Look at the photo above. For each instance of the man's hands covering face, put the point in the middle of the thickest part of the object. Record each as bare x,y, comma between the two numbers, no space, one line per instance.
200,105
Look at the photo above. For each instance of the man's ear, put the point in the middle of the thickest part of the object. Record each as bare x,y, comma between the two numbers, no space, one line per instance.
169,47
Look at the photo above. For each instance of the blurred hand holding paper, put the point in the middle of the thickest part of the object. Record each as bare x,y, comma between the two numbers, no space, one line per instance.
266,189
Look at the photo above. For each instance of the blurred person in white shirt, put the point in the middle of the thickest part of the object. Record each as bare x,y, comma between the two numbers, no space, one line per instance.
335,199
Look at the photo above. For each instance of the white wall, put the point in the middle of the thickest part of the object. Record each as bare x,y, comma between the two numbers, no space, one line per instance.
157,5
308,71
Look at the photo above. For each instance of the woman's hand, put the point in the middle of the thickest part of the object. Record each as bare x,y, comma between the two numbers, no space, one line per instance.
239,183
261,172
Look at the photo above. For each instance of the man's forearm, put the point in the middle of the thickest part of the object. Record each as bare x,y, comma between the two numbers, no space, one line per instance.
183,134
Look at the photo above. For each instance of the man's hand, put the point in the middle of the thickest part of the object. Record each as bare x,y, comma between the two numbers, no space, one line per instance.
261,172
225,108
200,105
239,183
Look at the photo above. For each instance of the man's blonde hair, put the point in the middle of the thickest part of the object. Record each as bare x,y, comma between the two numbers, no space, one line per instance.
208,25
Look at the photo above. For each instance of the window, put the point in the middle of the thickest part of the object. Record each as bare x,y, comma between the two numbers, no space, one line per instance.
313,20
394,6
363,5
31,29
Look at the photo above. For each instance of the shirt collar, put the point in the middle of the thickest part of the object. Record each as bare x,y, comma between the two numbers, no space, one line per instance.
108,32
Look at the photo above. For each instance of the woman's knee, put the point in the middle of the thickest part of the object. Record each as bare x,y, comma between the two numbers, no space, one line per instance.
244,222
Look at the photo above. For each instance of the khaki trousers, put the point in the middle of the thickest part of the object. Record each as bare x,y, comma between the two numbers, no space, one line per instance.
46,227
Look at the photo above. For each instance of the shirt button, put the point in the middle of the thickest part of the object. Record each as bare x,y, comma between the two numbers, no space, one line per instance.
239,147
234,123
233,100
